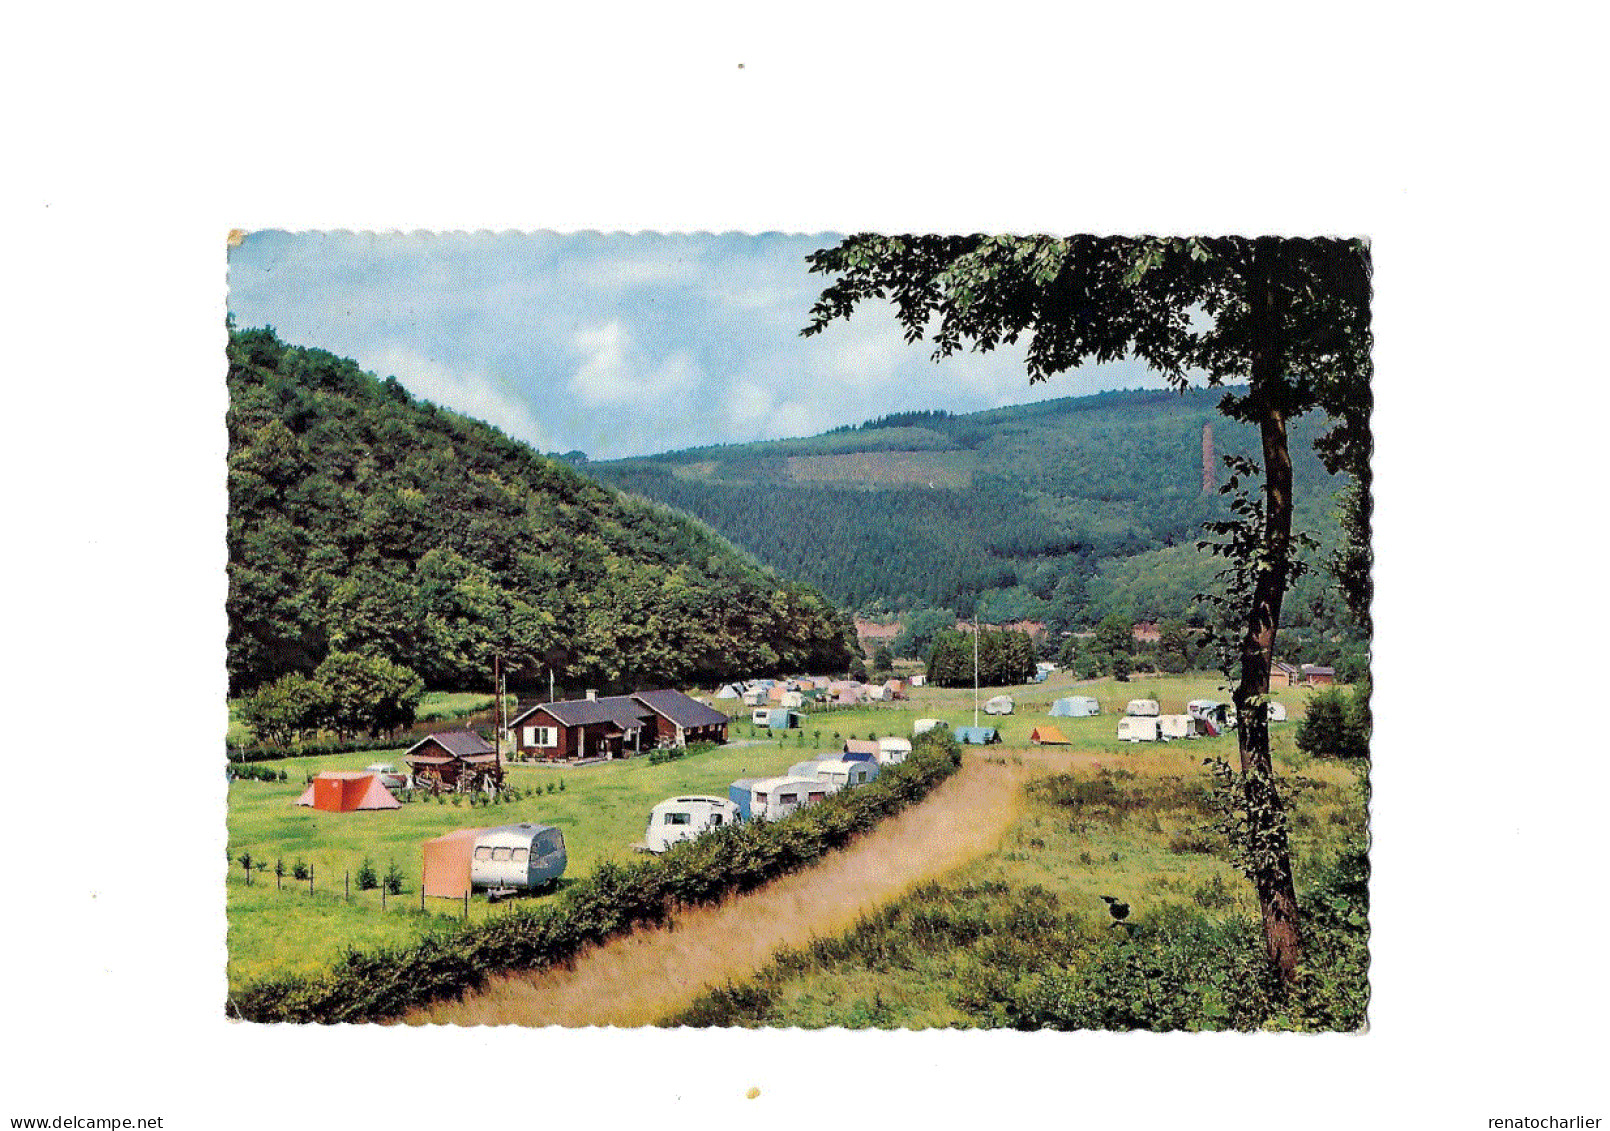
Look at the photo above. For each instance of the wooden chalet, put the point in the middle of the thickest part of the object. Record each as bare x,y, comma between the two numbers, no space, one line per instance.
1283,674
615,726
1316,676
454,761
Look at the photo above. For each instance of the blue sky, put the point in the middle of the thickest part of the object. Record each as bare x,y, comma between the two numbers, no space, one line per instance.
616,344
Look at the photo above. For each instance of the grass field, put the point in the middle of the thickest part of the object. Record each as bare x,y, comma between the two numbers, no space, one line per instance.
602,810
951,953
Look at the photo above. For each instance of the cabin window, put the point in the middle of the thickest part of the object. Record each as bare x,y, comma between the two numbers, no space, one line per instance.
787,798
760,799
542,736
678,818
483,852
522,856
715,818
502,855
817,796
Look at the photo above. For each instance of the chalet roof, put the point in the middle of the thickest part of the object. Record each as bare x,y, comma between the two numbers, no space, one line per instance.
1316,669
1285,667
458,743
620,710
681,709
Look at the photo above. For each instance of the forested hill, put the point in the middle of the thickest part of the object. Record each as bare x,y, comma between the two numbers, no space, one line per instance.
362,519
1064,510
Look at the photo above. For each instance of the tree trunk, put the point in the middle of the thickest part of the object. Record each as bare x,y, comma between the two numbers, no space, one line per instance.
1270,850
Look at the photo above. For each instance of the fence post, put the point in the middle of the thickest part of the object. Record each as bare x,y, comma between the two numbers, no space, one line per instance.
422,893
466,903
382,897
310,879
348,883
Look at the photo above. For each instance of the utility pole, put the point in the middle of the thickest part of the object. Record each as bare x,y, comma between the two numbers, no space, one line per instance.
975,665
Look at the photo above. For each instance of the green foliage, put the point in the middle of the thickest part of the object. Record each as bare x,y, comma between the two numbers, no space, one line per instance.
365,693
1337,726
364,522
393,880
299,870
1061,511
1004,657
366,876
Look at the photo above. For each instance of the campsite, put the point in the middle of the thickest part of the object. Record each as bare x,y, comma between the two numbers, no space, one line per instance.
601,809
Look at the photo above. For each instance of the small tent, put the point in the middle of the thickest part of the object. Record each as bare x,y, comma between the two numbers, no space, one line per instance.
1048,736
999,705
923,726
447,863
1075,707
345,792
1142,708
728,691
977,736
1277,712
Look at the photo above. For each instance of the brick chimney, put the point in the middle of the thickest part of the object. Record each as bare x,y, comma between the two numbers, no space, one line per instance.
591,695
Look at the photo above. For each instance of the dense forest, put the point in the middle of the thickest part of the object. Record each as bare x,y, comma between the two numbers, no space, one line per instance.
364,521
1064,511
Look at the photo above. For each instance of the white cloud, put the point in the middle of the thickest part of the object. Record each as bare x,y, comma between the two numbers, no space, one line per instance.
473,394
615,371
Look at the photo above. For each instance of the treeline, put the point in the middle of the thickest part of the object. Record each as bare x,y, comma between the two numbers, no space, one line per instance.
1004,657
364,521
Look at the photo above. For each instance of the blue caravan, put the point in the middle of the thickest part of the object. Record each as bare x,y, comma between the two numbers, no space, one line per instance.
741,793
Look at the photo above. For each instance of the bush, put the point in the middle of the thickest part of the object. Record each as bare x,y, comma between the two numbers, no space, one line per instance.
299,869
367,880
394,880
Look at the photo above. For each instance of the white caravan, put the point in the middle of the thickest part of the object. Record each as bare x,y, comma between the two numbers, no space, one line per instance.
682,818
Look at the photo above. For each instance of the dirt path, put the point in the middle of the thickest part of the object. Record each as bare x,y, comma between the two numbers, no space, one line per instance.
638,979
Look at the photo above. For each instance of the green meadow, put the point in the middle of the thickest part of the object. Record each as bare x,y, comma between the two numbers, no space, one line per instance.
282,927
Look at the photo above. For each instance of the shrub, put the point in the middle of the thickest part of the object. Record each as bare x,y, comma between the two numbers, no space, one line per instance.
299,869
394,879
367,880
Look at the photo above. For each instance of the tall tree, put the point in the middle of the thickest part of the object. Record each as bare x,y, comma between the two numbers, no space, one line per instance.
1290,317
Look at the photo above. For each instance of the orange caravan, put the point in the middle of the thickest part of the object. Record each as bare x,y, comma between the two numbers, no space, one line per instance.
447,863
344,791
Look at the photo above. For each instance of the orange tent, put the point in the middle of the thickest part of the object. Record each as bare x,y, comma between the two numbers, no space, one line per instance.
345,791
1048,736
447,863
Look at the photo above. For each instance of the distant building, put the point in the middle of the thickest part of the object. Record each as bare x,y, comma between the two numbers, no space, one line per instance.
1146,632
1284,675
1315,676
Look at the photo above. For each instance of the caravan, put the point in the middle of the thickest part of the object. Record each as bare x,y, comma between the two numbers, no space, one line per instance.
1143,708
1170,727
683,818
518,857
1134,728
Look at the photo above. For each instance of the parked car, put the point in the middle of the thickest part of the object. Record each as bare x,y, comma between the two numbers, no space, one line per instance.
389,777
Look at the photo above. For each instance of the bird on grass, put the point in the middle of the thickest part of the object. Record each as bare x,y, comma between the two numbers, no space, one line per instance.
1119,911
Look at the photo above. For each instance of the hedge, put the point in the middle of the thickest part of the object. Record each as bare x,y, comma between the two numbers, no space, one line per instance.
383,984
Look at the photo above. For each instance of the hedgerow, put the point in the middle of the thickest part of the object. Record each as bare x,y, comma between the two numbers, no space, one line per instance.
382,984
